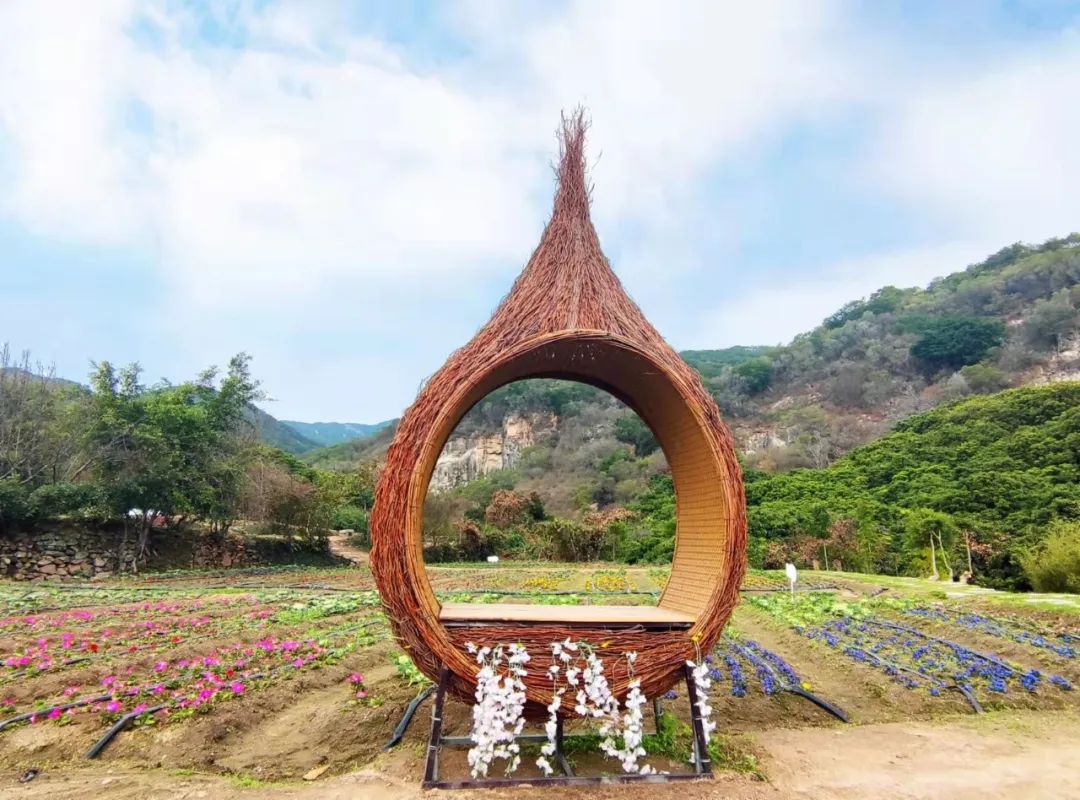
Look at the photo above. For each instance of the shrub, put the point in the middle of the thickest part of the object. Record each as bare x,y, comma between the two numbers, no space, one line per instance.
629,429
957,341
64,499
1055,565
14,503
349,517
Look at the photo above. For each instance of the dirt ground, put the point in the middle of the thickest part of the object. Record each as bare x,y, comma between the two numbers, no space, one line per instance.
903,744
1012,755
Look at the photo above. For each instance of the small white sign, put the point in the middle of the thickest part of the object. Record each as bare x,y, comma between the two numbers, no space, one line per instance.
493,559
792,575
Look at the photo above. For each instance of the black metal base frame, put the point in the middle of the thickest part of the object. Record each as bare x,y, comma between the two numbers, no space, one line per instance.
702,767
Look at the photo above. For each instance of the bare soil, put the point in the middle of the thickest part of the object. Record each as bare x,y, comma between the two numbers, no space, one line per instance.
903,744
1018,755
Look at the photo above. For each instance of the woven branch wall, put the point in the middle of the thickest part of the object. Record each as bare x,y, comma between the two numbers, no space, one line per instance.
567,316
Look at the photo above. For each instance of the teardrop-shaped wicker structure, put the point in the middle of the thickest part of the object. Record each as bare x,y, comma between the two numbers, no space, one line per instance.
567,316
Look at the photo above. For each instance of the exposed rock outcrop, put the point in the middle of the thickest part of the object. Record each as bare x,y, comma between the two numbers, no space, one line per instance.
473,455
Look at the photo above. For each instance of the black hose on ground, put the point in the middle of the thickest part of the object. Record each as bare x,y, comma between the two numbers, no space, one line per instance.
784,685
407,717
819,702
61,707
968,695
118,726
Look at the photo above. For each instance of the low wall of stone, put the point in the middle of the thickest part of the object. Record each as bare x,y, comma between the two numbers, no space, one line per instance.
63,551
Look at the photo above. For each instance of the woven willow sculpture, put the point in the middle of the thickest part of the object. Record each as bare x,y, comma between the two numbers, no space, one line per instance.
567,316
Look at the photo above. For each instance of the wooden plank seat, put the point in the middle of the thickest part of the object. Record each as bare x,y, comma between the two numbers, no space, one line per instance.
460,614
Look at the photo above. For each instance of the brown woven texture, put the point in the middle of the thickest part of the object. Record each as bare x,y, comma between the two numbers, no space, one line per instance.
568,316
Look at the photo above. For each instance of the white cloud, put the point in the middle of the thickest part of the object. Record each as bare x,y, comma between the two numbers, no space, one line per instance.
318,159
990,150
316,153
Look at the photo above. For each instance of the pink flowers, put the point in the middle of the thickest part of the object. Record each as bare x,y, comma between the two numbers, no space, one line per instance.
161,666
237,687
356,679
108,680
113,706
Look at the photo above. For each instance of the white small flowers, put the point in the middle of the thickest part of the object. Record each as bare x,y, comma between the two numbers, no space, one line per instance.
500,704
702,683
498,716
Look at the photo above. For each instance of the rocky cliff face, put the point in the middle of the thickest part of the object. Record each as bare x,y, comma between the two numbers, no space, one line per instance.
473,455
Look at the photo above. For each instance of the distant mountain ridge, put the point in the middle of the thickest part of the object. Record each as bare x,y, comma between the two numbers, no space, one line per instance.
325,434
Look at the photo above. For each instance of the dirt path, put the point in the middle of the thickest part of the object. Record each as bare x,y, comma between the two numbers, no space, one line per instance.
340,547
999,756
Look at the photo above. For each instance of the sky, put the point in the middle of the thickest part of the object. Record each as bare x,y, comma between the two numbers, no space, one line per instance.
345,190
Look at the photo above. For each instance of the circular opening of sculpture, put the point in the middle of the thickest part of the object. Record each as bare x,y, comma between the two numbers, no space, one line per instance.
555,471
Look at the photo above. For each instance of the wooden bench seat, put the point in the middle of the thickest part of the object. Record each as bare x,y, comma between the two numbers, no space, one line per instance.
600,616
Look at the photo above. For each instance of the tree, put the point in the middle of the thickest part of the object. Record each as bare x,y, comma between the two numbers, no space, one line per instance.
629,429
755,374
924,527
955,342
1054,566
1052,321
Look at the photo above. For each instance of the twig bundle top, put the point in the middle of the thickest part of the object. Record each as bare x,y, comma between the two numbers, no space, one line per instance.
567,316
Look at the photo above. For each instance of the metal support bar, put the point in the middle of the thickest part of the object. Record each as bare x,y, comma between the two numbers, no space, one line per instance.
431,770
701,749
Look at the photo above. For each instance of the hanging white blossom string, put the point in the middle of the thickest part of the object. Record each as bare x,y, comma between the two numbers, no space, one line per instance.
702,683
499,713
561,656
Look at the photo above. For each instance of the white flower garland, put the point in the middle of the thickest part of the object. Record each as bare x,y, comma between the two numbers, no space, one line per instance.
702,683
498,716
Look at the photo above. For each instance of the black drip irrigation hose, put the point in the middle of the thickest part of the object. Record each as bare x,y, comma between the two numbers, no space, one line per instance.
946,642
821,703
94,751
125,720
975,705
407,717
62,707
118,726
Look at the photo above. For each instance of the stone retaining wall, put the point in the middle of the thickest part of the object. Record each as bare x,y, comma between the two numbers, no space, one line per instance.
68,551
62,552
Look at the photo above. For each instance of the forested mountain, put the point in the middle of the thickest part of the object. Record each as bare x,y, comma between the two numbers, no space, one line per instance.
347,455
1007,321
1011,320
280,434
324,434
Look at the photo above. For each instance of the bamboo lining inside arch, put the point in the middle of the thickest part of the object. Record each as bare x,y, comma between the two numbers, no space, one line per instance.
567,316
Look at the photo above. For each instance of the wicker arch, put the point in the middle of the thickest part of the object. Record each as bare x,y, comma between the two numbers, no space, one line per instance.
568,317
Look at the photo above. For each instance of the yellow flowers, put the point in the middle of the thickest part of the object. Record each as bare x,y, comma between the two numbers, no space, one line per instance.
806,685
695,638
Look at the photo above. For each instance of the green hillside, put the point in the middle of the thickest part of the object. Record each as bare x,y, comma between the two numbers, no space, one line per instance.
346,456
324,434
1000,469
274,432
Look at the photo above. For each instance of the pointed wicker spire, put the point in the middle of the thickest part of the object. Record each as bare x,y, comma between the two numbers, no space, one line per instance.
567,315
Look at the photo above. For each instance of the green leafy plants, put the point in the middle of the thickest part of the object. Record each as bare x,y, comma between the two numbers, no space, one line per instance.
407,670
